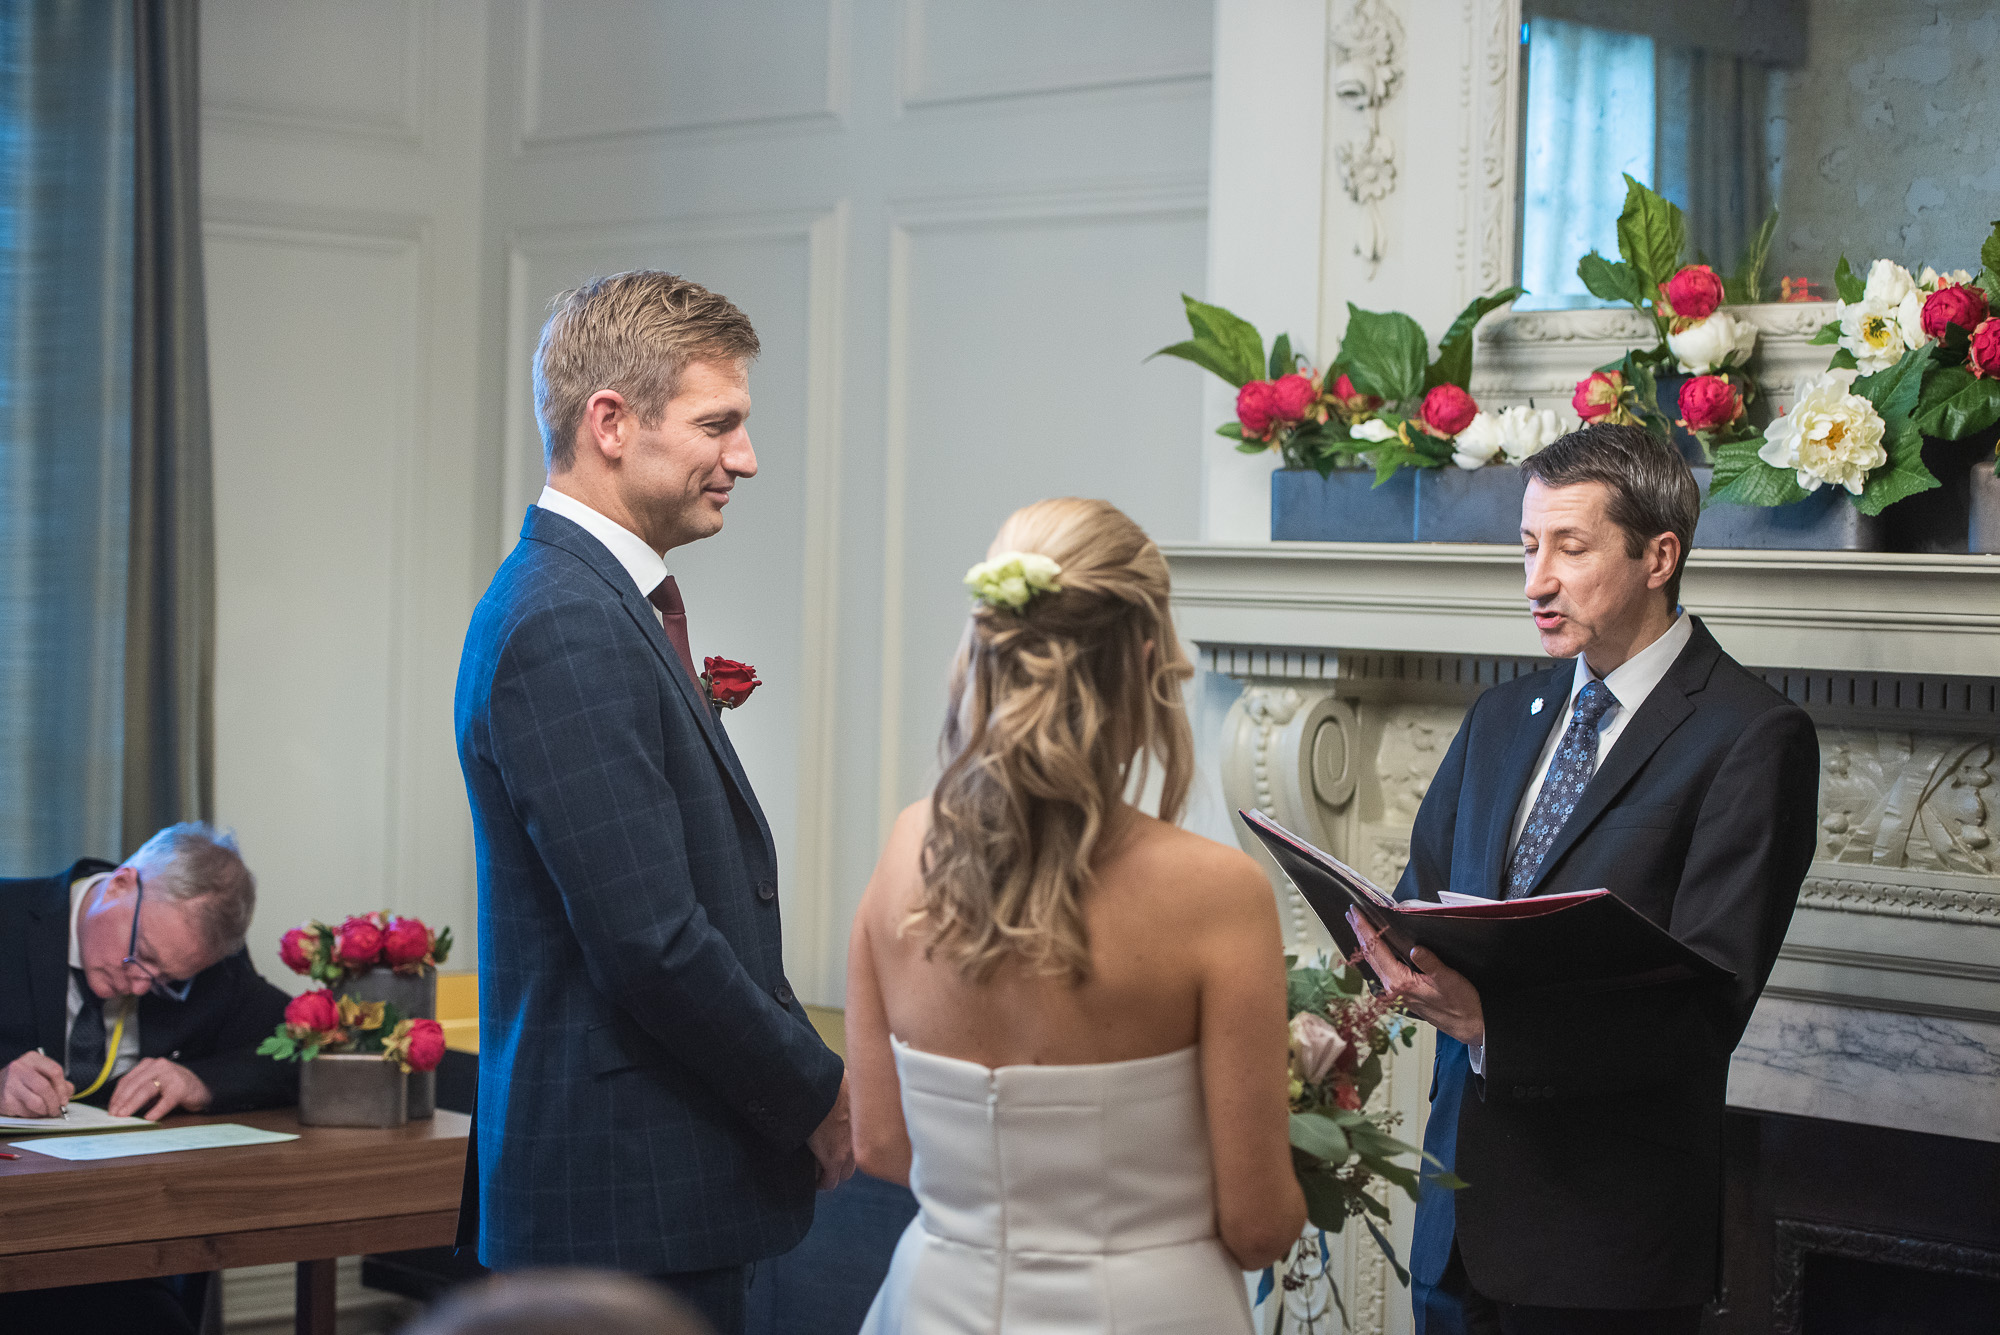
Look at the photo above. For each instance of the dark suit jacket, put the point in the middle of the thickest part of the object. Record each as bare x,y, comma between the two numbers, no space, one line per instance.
214,1033
647,1079
1593,1142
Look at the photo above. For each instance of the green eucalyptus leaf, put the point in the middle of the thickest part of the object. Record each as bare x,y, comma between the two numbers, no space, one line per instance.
1281,356
1384,353
1454,359
1612,281
1389,1252
1447,1181
1326,1205
1321,1138
1652,234
1846,283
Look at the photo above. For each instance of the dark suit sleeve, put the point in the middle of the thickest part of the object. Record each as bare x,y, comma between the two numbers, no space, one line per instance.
1429,868
576,732
1753,843
239,1013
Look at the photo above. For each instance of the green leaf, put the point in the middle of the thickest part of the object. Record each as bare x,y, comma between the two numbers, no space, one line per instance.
1205,355
1253,447
1843,360
1903,476
1652,233
1281,356
1609,280
1741,478
1389,1252
1234,430
1956,404
1828,333
1384,353
1237,337
1845,283
1989,257
1448,1181
278,1046
1326,1205
1319,1137
1746,286
1454,360
1894,391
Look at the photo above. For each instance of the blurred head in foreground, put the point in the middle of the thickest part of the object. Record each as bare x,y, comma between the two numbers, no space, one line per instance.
560,1302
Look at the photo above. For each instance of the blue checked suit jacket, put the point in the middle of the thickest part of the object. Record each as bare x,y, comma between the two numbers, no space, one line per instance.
647,1079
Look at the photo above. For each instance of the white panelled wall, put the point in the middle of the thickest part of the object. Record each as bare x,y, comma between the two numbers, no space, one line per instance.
959,227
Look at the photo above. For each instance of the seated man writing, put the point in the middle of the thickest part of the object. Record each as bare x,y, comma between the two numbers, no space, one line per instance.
130,988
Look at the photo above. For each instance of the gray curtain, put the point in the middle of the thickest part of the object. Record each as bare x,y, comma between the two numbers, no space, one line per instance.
170,609
1712,155
65,426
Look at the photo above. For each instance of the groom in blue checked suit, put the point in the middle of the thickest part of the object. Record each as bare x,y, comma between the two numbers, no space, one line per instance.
652,1097
1589,1126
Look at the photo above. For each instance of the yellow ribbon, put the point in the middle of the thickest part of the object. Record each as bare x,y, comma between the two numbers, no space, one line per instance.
110,1057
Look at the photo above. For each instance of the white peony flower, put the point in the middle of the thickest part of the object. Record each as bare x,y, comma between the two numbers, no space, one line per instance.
1930,280
1873,333
1710,345
1374,429
1830,435
1525,431
1888,283
1480,443
1910,320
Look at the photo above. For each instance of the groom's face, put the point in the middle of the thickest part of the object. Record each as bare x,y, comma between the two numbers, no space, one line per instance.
678,472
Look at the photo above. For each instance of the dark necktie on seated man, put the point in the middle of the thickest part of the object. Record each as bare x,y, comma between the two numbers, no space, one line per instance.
86,1037
673,618
1569,773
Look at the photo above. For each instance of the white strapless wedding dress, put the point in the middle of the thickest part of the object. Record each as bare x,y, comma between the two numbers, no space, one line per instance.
1059,1200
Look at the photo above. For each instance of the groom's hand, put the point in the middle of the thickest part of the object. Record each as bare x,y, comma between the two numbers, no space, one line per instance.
833,1143
1439,994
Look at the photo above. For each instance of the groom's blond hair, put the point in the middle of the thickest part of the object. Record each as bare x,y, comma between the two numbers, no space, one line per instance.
632,333
1059,709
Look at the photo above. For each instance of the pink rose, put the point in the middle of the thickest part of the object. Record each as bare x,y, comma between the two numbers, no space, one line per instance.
312,1013
1316,1045
1447,411
1984,358
406,942
1291,395
1352,401
1255,408
1709,401
1954,305
1693,293
1597,395
358,943
298,948
426,1047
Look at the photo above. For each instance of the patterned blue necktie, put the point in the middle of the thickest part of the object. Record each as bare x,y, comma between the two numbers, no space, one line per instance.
1569,771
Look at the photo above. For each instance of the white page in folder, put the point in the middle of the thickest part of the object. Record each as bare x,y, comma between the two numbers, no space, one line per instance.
77,1117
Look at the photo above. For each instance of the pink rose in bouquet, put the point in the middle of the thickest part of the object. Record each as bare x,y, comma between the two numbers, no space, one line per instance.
1447,411
1317,1046
1984,357
1599,397
358,943
1255,408
1351,401
312,1013
300,948
1291,397
1964,306
1693,293
407,941
426,1046
1708,402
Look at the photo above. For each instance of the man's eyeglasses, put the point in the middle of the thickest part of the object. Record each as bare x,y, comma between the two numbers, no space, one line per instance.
171,989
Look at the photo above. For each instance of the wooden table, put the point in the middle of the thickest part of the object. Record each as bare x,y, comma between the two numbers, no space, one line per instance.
335,1191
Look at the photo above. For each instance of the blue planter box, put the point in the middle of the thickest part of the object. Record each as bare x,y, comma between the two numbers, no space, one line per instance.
1344,506
1483,505
1823,522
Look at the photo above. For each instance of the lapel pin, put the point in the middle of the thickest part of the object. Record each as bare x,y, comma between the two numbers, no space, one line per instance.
1536,707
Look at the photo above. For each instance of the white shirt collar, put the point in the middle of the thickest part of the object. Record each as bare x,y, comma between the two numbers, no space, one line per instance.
1634,679
78,891
646,566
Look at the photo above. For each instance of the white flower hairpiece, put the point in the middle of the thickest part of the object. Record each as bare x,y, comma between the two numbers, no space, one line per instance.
1010,579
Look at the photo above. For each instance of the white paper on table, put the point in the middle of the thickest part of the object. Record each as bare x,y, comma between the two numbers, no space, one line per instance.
164,1140
78,1117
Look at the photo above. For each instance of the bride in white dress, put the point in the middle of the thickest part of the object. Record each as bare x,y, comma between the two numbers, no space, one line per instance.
1066,1018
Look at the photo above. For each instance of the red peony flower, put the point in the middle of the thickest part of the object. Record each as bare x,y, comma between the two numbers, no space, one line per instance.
406,942
1597,395
358,943
729,682
1291,396
1448,410
1961,306
1351,400
1693,293
298,947
426,1048
1255,408
313,1012
1984,359
1709,401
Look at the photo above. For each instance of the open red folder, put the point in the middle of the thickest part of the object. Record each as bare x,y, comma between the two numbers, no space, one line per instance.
1588,940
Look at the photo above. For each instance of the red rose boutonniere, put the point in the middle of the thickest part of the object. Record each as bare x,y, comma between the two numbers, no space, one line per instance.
728,682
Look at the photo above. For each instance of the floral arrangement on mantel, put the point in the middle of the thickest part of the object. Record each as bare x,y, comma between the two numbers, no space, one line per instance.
365,941
1340,1032
1383,401
319,1022
1917,356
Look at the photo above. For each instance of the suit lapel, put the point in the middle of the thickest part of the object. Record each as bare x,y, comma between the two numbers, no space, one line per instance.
1516,768
48,955
1664,710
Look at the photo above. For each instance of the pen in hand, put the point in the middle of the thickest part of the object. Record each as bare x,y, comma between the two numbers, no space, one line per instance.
62,1112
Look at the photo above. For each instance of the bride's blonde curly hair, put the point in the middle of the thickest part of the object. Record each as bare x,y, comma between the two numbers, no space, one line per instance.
1058,710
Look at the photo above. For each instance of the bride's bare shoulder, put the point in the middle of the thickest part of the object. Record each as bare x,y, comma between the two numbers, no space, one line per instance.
1210,874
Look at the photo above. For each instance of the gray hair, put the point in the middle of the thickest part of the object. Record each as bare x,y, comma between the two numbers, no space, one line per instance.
558,1302
199,866
1652,489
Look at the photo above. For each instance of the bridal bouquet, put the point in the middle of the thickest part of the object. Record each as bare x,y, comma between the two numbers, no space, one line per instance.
1384,401
1341,1031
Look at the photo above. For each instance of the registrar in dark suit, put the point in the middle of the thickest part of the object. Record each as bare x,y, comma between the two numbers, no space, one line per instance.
1589,1127
652,1096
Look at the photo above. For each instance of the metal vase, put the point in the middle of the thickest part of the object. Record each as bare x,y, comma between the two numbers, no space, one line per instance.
1983,525
1825,521
352,1089
1344,506
415,995
1477,505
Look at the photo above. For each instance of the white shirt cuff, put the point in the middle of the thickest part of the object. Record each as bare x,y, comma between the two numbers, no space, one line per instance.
1476,1054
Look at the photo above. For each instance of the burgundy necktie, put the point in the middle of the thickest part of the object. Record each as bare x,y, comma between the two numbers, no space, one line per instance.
674,618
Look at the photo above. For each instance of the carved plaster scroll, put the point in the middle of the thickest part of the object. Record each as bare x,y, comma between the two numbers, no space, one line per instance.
1366,46
1923,801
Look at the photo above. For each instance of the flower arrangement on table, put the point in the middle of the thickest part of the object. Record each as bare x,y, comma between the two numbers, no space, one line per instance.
320,1022
365,941
1384,401
1340,1032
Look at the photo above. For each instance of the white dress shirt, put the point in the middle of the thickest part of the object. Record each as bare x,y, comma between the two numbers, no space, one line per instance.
646,566
128,1046
1629,683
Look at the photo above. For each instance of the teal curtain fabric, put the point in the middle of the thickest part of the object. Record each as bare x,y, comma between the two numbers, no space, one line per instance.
66,192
